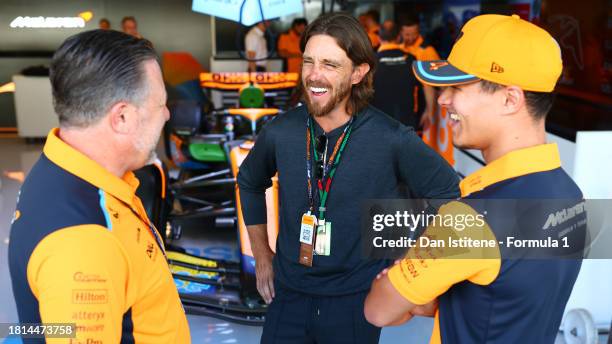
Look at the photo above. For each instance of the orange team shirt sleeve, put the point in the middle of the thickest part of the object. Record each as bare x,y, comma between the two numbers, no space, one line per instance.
428,53
80,275
283,42
426,273
373,36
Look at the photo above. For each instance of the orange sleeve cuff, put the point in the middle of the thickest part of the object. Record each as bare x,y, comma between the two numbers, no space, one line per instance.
409,291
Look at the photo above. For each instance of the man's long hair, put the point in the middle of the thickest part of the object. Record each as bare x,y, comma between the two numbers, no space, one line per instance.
351,38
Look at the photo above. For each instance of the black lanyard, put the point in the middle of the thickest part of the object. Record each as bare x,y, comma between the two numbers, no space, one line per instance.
145,219
331,165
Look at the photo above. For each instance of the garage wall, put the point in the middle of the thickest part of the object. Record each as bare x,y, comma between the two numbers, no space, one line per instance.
170,25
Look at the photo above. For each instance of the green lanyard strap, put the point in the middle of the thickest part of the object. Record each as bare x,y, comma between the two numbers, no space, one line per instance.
332,165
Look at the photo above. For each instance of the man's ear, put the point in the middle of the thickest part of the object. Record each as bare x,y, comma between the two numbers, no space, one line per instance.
513,99
359,72
123,118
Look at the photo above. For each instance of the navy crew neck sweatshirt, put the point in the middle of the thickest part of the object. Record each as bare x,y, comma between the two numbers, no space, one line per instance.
380,159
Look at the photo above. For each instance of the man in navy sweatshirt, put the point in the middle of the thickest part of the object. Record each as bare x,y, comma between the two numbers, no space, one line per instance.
330,156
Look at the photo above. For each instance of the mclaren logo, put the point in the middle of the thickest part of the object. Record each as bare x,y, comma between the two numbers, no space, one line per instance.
52,22
393,60
564,215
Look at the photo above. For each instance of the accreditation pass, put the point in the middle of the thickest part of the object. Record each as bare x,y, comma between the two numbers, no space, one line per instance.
307,229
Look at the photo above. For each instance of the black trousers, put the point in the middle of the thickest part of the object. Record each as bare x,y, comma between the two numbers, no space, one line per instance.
295,317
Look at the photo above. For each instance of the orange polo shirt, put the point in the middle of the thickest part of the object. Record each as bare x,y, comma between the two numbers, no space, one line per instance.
373,36
422,53
83,251
290,42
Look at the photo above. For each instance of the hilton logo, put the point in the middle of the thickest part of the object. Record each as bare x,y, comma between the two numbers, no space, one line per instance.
90,296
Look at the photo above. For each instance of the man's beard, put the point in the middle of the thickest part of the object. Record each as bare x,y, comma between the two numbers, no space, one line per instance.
147,143
344,89
148,147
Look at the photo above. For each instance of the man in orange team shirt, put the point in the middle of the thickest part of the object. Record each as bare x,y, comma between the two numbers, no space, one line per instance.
289,45
413,43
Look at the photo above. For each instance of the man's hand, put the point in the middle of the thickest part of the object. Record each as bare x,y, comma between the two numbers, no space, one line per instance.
265,276
428,115
258,235
386,270
426,310
384,306
426,118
